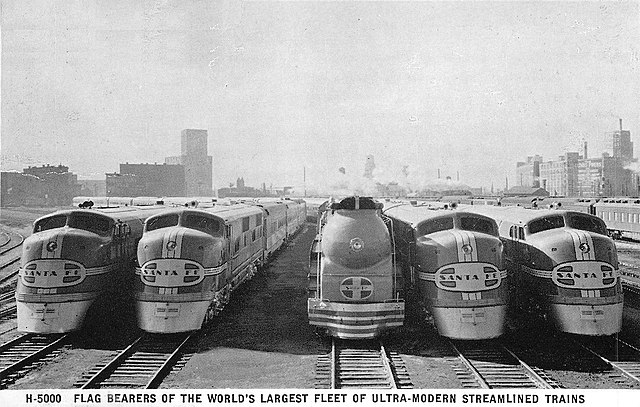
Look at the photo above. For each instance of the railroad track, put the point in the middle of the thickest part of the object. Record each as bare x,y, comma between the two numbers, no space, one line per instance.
7,269
12,244
8,306
490,365
622,357
628,273
9,263
361,364
20,353
6,331
6,299
142,365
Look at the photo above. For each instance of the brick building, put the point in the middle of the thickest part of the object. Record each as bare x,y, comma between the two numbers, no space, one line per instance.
46,185
146,180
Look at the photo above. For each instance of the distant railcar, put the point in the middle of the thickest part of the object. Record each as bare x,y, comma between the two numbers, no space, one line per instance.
313,207
621,215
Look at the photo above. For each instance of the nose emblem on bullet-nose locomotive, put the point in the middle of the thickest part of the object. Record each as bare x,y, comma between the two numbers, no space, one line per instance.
51,246
356,244
584,247
356,288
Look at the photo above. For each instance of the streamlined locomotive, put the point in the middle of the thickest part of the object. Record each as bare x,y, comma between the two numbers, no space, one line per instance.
191,260
72,258
354,289
565,267
455,260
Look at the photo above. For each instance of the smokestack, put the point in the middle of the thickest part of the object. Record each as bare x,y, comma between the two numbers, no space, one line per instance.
620,125
458,175
585,150
438,173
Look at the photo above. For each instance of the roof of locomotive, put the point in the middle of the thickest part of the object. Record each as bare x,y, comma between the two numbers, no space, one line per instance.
122,213
272,207
356,203
416,214
518,214
224,212
288,202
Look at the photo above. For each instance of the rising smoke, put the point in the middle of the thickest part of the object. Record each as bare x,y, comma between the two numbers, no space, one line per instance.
379,179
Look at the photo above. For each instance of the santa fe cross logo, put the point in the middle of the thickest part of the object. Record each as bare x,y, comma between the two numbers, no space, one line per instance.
356,288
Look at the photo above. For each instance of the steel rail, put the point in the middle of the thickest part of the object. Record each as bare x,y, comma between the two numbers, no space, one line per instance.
363,364
94,381
6,250
9,263
474,372
155,381
493,369
49,343
8,311
140,361
8,330
624,367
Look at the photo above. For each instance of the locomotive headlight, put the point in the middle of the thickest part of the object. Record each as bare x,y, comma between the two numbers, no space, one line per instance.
171,245
584,247
356,244
51,246
467,249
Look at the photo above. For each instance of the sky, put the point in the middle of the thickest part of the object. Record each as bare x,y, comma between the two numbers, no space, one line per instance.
288,88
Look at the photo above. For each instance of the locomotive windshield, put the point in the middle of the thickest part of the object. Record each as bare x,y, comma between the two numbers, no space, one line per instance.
163,221
587,223
435,225
477,224
90,222
52,222
203,224
546,223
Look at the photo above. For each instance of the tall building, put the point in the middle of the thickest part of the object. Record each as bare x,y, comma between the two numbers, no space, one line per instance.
198,166
575,175
369,166
619,144
554,176
528,173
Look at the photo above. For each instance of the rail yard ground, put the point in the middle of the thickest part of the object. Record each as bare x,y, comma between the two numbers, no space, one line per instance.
263,340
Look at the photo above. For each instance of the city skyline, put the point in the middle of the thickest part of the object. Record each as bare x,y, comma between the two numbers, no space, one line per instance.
468,88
